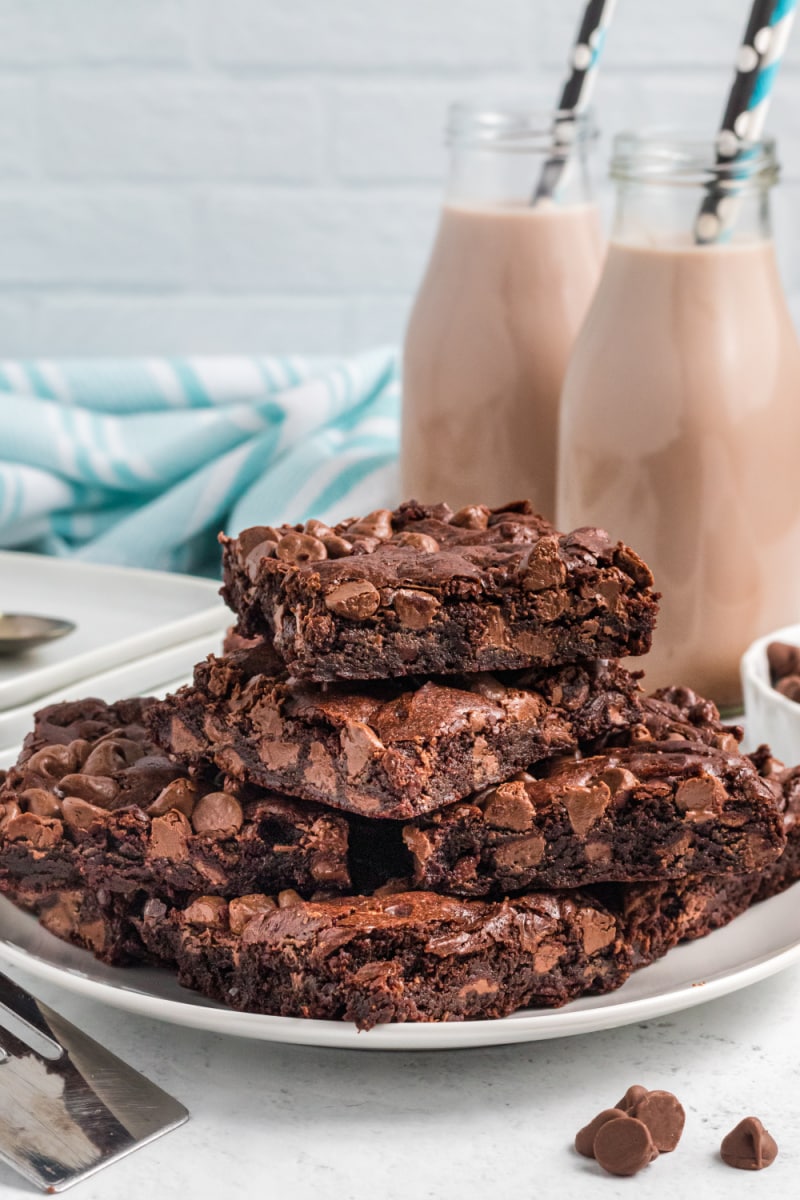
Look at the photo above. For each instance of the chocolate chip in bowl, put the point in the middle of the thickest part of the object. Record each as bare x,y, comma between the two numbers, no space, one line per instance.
770,670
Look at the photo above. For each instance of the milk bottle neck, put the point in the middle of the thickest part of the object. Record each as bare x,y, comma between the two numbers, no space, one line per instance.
675,191
499,156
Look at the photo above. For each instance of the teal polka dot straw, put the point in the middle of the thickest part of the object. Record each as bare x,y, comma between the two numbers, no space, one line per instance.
757,65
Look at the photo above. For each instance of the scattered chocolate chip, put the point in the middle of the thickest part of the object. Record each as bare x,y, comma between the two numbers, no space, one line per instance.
584,1138
317,529
300,548
623,1146
249,539
357,599
664,1116
634,1094
749,1146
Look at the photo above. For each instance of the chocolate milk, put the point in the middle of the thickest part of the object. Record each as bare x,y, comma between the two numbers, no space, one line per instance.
487,346
680,434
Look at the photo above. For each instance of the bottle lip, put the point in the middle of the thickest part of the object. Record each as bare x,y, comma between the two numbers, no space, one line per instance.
672,157
511,127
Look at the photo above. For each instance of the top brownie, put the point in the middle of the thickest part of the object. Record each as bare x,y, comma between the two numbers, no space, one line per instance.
424,590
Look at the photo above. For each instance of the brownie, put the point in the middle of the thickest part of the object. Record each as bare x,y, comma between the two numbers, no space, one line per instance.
139,822
426,591
677,714
649,811
394,748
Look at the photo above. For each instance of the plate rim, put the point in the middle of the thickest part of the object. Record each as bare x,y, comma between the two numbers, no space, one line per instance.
51,677
538,1025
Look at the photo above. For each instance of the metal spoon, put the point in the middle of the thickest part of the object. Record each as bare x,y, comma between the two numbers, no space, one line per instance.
20,632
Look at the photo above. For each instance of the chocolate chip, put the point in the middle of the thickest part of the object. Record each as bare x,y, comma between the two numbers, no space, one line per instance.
588,539
180,794
357,599
111,755
634,1094
51,762
360,745
317,529
701,797
633,566
663,1115
415,610
544,568
253,561
749,1146
242,910
288,898
337,547
509,807
377,524
300,548
40,802
584,1138
79,814
97,789
585,806
623,1146
473,516
783,659
169,836
248,539
41,832
417,541
217,812
207,910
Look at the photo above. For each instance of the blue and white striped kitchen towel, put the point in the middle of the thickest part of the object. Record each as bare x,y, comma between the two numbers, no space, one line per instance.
143,461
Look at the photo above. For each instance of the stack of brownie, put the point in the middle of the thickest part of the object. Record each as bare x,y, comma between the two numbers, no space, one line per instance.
418,785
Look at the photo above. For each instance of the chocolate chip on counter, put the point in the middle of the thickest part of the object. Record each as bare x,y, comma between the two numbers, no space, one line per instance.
217,812
473,516
417,541
180,794
664,1116
584,1138
300,548
749,1146
623,1146
357,599
634,1094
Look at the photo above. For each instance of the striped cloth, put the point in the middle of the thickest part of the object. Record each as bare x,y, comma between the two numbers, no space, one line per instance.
141,462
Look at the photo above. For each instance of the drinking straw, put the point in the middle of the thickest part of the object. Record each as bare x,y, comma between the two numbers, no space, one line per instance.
576,92
757,63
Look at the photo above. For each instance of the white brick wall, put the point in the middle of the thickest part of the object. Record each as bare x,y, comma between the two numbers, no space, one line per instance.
190,175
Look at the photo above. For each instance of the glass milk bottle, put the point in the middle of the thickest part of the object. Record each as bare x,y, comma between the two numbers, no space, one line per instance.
680,420
506,289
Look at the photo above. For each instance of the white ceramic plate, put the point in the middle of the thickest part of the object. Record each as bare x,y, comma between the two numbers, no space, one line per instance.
764,940
154,674
121,615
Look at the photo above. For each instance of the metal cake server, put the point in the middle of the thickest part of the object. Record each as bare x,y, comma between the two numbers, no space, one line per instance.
24,631
68,1106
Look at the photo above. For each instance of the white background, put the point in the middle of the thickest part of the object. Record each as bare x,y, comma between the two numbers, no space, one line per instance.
196,175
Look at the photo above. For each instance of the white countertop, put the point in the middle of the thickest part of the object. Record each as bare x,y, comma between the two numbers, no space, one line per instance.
293,1123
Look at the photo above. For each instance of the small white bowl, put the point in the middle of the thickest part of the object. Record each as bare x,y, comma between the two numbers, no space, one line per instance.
769,716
